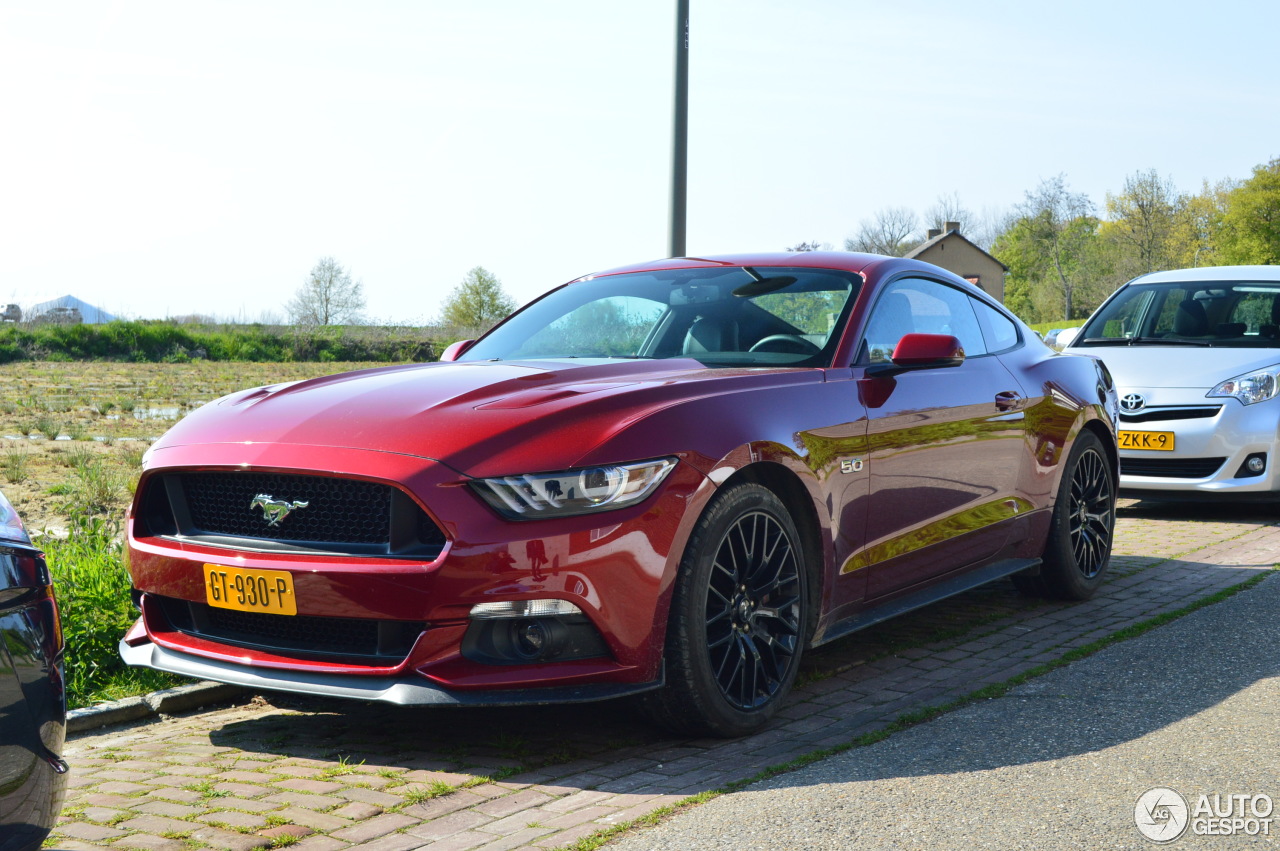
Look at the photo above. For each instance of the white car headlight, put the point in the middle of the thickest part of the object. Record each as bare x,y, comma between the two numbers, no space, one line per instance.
534,496
1257,386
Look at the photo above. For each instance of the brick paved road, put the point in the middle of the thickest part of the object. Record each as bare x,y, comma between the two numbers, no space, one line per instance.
323,776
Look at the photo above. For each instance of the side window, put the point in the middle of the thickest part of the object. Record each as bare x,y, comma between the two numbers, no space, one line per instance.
999,330
916,305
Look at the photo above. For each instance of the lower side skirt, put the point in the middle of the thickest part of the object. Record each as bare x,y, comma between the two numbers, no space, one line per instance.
910,601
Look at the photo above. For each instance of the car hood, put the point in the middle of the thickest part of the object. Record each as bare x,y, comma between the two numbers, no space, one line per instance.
1178,366
480,418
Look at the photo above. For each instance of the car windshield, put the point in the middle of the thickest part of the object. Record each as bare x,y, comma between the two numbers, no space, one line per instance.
722,317
1228,314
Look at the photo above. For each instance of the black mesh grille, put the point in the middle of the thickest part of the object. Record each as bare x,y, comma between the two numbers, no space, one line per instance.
338,510
339,515
1171,468
321,634
384,641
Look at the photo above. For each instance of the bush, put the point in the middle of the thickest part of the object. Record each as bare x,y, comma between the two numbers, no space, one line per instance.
93,587
170,342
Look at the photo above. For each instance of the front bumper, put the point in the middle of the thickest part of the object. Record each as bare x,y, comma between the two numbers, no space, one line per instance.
402,692
615,568
1232,435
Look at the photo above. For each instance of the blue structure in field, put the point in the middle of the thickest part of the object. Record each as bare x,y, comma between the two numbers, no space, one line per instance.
67,309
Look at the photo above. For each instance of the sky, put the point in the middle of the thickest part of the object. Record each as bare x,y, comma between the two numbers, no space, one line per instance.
160,159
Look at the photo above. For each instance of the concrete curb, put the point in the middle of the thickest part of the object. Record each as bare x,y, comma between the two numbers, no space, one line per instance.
163,702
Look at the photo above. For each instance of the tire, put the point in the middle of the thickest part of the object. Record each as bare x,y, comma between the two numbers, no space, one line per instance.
1078,550
740,617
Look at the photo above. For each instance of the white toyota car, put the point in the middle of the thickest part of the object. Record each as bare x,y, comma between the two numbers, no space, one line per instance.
1195,354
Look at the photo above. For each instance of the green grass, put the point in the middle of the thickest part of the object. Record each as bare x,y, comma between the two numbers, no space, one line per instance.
14,464
95,487
48,426
93,599
435,789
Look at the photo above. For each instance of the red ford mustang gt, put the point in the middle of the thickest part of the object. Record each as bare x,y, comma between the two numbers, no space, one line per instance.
665,480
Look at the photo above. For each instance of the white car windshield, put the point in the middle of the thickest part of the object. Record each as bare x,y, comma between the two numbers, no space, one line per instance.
1228,314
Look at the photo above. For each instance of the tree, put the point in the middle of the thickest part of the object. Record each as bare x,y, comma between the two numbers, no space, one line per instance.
948,208
328,297
1199,227
1144,222
1251,222
1017,248
479,302
809,246
1062,226
891,231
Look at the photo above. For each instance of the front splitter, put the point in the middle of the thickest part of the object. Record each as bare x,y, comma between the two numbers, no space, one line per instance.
379,689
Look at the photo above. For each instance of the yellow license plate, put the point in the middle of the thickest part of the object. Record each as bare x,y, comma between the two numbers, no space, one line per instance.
248,590
1159,440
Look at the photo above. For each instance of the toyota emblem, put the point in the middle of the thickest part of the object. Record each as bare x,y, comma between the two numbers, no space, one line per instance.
1132,403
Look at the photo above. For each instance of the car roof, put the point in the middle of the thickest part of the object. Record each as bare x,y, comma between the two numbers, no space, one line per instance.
847,260
1213,273
850,261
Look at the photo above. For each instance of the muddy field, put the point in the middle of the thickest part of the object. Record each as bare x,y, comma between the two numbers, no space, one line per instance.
72,435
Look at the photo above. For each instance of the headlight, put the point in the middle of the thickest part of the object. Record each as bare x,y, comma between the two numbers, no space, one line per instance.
1257,386
537,495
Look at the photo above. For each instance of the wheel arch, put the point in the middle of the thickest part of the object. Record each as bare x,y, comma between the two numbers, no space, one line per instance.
1108,439
790,490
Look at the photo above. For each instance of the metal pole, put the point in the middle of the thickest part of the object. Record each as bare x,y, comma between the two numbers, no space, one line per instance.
680,130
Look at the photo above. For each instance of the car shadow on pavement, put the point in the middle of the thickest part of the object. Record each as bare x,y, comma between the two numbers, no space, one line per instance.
1116,697
497,741
479,741
1208,512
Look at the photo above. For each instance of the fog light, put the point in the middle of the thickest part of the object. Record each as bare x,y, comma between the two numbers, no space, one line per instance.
530,641
1254,465
531,638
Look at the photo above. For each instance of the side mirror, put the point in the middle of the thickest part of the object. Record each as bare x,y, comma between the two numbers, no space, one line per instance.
455,351
928,351
920,351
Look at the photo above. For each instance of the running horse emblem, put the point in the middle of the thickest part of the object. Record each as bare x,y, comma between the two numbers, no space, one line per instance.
275,510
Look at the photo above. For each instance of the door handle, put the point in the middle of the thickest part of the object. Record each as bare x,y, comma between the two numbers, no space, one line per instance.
1009,400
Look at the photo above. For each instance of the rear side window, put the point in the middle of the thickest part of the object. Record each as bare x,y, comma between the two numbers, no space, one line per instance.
999,330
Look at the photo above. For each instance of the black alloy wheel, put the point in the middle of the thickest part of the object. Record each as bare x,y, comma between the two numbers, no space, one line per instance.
753,610
1092,513
739,619
1078,549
